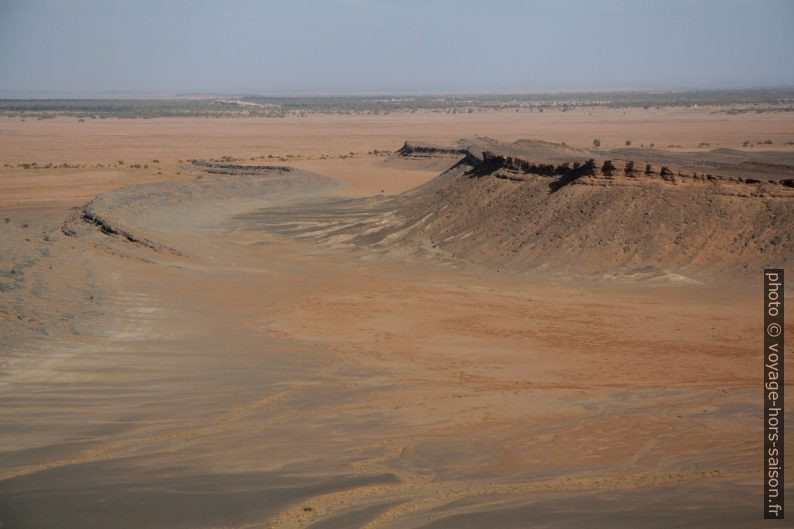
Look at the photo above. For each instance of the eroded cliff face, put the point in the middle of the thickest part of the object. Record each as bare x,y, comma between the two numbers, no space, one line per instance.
415,155
566,211
571,170
420,149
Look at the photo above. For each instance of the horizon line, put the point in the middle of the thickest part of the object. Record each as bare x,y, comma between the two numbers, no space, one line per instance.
299,94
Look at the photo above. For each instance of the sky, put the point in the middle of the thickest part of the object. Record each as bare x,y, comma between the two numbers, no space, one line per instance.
303,47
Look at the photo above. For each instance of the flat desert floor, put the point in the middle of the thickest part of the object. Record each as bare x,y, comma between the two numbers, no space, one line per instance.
231,377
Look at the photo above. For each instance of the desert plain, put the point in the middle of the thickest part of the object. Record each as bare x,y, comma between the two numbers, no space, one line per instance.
189,343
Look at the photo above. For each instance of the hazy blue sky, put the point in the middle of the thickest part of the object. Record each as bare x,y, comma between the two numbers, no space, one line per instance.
367,46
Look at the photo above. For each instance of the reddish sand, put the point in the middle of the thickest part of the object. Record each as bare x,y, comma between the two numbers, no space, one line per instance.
255,380
67,140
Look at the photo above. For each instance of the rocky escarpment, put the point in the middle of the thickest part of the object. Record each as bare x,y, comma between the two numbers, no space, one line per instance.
418,149
414,155
564,210
224,168
568,172
90,214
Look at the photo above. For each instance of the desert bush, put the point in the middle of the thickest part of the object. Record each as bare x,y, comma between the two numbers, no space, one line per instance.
596,143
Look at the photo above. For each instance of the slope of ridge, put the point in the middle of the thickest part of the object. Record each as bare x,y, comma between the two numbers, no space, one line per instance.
562,211
125,213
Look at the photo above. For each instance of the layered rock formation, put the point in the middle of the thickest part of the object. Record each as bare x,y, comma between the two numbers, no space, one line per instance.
548,207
